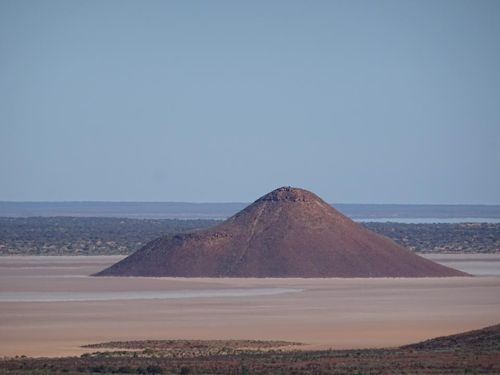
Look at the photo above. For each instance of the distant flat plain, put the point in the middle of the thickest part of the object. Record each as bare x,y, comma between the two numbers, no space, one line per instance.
323,313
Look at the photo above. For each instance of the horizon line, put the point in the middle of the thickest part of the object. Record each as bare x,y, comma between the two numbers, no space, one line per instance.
241,202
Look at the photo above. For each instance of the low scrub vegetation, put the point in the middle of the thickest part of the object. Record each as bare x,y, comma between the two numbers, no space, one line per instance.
475,352
113,236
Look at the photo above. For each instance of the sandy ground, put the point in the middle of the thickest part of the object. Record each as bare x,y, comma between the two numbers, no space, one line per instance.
337,313
475,264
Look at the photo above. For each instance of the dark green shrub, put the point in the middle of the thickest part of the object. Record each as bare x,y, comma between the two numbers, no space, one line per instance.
126,370
153,369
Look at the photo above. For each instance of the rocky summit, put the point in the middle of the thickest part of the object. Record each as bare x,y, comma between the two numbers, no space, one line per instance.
289,232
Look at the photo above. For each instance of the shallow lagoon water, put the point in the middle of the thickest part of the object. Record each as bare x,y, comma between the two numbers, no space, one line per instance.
142,295
429,220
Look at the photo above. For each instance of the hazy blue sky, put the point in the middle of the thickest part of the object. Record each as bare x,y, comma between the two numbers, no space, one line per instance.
370,101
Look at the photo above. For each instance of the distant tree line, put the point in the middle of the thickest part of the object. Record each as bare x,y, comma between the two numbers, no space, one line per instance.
111,236
443,238
86,235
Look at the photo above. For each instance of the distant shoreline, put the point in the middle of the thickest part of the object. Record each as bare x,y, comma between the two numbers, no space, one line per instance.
219,211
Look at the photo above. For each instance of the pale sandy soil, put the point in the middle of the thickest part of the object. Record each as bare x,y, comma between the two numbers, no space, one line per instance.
338,313
476,264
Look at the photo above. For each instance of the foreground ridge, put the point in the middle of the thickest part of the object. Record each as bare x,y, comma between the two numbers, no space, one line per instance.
289,232
470,352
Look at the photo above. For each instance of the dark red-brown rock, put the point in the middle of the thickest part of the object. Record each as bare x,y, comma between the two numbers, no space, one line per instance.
289,232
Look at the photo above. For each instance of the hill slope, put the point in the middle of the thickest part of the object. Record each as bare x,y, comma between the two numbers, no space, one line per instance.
288,232
487,338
